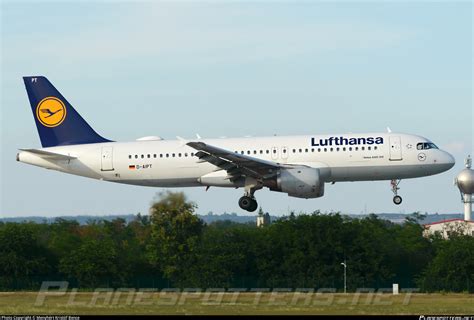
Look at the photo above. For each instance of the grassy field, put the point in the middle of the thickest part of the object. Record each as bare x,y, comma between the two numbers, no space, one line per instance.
231,303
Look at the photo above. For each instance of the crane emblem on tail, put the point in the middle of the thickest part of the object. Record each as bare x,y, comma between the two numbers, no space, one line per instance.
51,112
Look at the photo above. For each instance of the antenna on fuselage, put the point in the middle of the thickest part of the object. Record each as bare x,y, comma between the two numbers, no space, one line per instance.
389,130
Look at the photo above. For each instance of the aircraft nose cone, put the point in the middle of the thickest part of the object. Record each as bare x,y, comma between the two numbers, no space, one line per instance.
449,160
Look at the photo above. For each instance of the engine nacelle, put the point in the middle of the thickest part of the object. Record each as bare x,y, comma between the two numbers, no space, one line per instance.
299,182
219,179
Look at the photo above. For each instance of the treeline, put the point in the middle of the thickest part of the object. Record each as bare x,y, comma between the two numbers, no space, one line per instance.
173,248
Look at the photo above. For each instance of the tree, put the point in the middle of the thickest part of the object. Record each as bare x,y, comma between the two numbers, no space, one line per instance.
452,268
412,252
93,263
21,255
175,236
64,236
225,254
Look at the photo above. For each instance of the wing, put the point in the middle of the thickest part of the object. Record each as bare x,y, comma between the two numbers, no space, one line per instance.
237,165
46,111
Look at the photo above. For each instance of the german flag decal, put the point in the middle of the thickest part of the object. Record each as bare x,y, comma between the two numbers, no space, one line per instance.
131,167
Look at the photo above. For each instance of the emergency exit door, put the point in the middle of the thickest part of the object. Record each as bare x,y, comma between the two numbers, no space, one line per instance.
107,159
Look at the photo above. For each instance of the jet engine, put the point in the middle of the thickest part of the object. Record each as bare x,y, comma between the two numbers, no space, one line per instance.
299,182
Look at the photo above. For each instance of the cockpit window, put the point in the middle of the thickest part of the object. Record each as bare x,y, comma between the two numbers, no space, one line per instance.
426,146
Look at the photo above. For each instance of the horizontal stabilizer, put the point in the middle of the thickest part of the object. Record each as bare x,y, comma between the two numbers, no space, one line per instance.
49,155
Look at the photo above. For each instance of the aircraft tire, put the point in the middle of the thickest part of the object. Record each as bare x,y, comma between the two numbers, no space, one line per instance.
246,203
254,206
397,200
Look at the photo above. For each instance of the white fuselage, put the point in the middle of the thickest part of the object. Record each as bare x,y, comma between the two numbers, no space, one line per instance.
171,163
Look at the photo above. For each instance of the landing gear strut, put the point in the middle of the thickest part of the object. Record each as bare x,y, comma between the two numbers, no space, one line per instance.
396,199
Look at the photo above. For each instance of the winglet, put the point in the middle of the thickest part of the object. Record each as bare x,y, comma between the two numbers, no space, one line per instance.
182,141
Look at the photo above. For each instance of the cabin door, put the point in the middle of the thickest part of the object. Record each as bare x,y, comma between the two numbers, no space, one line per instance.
107,159
395,148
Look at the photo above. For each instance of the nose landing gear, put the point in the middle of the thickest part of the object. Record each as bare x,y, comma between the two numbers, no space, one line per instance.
396,199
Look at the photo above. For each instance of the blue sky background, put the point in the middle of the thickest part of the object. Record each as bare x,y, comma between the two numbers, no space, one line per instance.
236,69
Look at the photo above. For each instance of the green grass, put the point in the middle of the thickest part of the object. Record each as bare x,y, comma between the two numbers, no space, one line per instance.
245,303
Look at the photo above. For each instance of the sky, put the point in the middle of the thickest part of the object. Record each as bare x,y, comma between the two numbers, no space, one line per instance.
135,69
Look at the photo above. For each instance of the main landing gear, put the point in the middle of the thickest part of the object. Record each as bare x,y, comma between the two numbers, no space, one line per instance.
396,199
248,201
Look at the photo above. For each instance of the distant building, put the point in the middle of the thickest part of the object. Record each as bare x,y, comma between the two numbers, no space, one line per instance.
446,227
263,219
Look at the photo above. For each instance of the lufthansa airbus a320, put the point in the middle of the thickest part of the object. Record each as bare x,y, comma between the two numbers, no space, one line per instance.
299,166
